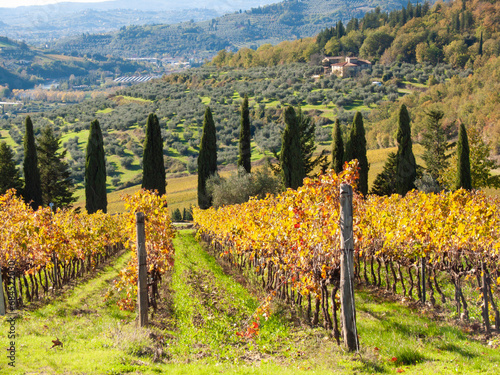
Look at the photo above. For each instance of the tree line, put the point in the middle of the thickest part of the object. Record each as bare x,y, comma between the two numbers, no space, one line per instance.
461,33
400,175
47,178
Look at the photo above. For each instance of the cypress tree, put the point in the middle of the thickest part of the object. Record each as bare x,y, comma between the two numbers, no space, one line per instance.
95,171
385,182
207,159
32,186
9,174
153,165
307,130
406,165
55,175
480,51
464,179
337,149
291,158
176,215
436,145
245,149
358,151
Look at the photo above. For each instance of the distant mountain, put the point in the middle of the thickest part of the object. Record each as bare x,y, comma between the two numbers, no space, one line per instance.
42,23
288,20
144,5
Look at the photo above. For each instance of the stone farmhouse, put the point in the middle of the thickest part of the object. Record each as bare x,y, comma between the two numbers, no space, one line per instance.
344,66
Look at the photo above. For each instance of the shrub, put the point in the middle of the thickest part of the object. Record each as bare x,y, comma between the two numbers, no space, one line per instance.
239,187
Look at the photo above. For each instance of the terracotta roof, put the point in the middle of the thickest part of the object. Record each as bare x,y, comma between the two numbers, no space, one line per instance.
346,64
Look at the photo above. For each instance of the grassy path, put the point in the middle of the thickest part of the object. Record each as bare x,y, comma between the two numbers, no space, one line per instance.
194,332
88,328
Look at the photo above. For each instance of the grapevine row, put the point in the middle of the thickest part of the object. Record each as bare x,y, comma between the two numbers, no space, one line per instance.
293,242
42,250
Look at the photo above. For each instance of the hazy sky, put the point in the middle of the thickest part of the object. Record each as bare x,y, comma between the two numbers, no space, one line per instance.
18,3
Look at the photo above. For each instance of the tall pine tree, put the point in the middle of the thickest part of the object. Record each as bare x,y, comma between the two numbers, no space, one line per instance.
464,179
307,130
9,174
406,171
358,151
436,145
32,186
337,148
480,50
245,136
207,159
291,158
95,171
55,175
153,165
385,182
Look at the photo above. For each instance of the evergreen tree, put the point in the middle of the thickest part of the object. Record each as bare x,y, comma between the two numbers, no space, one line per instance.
340,29
353,24
291,158
32,185
385,182
480,51
464,179
9,174
409,9
418,10
435,144
244,158
425,8
337,148
95,171
207,159
358,151
153,165
176,215
55,176
307,130
406,171
187,214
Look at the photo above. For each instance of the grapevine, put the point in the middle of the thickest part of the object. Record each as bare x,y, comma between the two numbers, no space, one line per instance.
292,240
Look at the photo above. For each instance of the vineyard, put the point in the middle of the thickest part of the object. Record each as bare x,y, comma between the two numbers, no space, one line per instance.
444,246
40,251
210,313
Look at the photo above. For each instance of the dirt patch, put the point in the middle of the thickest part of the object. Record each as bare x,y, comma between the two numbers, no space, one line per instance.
82,312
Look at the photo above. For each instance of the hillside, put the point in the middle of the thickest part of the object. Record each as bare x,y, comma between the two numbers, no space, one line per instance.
53,21
287,20
179,100
463,35
23,66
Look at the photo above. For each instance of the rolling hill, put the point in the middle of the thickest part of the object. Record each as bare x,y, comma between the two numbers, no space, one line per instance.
274,23
43,23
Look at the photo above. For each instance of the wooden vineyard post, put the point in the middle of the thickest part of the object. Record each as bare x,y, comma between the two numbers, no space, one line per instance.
423,278
348,309
56,280
2,298
485,286
142,282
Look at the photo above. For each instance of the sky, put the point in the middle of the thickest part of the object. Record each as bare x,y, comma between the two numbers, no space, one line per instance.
18,3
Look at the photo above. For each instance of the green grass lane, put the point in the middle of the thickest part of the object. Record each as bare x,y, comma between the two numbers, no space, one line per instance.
91,330
204,303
